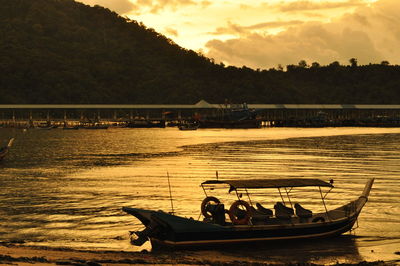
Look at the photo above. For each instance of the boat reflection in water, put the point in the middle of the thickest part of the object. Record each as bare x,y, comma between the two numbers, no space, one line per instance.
250,222
317,251
4,150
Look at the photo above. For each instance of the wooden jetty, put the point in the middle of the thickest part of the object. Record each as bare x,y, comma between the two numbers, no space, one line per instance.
272,115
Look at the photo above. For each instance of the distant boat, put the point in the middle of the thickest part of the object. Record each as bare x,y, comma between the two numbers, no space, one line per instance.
46,126
249,221
231,116
188,126
93,126
143,123
4,150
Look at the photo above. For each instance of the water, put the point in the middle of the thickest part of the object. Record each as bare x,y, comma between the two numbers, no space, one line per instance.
65,188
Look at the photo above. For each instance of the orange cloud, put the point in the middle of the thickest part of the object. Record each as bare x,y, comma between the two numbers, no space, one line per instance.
155,6
119,6
370,34
306,5
171,32
144,6
233,28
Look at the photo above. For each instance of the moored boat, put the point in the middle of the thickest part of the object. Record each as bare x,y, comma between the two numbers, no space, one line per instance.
4,150
93,126
249,221
143,123
231,116
188,126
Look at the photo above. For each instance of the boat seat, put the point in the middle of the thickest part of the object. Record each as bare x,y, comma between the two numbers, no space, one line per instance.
259,217
263,210
217,213
301,212
239,213
283,212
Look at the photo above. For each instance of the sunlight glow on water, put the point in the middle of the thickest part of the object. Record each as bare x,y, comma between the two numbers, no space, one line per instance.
66,188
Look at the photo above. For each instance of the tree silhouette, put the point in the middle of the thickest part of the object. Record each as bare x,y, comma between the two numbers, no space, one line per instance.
54,51
353,62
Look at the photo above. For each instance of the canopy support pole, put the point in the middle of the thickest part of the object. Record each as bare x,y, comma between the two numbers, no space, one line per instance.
283,200
287,193
323,202
248,196
205,192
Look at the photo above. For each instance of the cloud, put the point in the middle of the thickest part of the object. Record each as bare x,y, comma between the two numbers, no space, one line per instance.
233,28
307,5
156,6
119,6
145,6
370,34
171,32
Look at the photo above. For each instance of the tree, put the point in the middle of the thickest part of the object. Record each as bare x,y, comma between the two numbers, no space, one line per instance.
334,64
303,64
353,62
315,65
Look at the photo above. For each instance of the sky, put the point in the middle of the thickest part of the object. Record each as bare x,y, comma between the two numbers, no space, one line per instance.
267,33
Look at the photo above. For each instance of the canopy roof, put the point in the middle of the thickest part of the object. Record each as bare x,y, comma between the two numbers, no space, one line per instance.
270,183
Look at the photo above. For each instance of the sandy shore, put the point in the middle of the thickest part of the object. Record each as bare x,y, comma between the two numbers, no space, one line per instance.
14,254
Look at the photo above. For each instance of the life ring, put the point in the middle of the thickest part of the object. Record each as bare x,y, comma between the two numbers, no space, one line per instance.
204,204
318,219
233,209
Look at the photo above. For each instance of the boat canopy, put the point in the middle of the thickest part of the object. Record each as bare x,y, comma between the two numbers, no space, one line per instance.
270,183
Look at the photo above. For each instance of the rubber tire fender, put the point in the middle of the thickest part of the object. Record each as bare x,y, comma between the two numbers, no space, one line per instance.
205,202
245,220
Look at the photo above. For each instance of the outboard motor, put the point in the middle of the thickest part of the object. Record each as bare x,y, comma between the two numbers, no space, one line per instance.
138,238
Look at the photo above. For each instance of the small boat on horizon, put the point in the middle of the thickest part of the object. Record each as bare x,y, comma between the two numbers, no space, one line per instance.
230,116
188,126
92,125
5,149
249,221
145,123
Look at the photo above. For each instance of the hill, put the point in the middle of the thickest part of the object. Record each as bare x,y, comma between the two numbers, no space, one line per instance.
61,51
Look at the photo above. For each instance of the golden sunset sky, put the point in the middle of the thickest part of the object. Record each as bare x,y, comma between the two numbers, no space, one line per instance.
266,33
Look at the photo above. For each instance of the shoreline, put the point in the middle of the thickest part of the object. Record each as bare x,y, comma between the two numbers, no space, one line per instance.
15,254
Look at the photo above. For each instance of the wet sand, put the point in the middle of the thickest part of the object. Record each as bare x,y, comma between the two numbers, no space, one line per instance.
330,253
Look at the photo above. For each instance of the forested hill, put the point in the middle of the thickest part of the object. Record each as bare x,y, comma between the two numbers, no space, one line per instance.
61,51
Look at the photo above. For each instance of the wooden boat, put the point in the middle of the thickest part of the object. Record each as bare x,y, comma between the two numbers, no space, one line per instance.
143,123
46,126
188,126
4,150
93,126
249,222
231,116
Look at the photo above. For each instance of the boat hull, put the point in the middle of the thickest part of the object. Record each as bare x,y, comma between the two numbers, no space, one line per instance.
179,232
251,236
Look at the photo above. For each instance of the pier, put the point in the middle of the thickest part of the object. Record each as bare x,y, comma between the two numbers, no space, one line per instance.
271,115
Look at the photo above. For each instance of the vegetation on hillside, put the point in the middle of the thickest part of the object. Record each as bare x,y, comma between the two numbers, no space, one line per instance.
61,51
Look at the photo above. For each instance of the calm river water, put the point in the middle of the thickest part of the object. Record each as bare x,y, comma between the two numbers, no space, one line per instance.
65,188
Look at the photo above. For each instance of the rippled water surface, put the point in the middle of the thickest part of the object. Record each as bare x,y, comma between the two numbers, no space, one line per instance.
65,188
